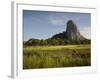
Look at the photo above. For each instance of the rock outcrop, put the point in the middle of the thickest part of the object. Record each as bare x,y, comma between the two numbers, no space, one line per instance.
72,33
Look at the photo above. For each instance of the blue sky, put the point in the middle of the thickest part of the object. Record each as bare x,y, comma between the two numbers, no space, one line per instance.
44,24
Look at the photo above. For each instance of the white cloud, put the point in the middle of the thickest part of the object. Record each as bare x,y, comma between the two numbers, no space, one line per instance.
86,32
57,19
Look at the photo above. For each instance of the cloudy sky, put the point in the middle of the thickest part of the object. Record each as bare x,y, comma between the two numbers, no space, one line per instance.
44,24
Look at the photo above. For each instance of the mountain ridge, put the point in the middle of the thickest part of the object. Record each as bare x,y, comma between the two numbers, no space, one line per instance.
71,35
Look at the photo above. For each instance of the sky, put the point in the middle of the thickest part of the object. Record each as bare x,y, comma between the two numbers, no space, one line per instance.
45,24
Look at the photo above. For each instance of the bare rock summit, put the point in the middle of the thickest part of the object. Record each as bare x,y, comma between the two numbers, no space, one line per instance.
72,32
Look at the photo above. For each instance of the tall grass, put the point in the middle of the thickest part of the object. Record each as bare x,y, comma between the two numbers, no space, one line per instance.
56,56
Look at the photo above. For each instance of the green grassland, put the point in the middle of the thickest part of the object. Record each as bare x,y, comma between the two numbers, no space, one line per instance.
56,56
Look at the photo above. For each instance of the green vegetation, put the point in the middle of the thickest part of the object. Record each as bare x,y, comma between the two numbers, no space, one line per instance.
56,56
53,41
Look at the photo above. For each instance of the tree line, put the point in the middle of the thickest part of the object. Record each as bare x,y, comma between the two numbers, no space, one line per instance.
53,41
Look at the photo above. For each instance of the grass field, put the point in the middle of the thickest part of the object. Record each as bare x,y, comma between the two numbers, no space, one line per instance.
56,56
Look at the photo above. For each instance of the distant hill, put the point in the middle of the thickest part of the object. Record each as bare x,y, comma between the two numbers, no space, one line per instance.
71,35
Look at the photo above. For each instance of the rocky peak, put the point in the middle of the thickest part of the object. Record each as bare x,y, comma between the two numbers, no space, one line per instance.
73,32
71,25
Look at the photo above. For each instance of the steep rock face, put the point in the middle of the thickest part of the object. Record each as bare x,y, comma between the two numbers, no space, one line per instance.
72,33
